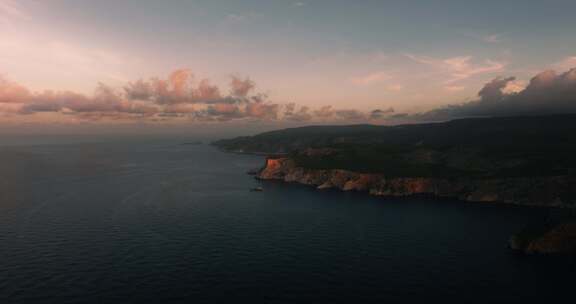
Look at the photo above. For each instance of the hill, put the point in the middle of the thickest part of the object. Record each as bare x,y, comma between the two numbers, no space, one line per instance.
479,147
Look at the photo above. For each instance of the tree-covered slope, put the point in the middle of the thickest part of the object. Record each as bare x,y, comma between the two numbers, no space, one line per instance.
481,147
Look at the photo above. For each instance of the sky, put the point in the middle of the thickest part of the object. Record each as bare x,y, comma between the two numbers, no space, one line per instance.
268,60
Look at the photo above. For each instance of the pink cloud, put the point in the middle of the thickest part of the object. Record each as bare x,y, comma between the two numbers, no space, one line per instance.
370,79
565,64
459,68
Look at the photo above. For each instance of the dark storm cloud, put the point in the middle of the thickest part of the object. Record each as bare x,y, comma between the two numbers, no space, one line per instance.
546,93
381,114
492,91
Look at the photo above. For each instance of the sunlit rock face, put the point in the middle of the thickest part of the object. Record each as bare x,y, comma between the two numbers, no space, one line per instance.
275,168
537,191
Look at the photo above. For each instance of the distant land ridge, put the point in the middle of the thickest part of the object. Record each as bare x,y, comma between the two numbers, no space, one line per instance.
518,160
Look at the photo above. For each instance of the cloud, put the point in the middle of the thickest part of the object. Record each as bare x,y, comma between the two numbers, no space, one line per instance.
350,115
179,88
177,96
207,92
370,79
493,91
324,112
180,81
223,111
565,64
454,88
494,38
459,68
11,92
235,18
180,97
514,86
139,90
262,110
241,87
547,93
328,114
302,114
380,114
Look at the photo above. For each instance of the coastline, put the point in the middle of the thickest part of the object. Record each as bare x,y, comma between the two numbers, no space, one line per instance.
516,191
554,239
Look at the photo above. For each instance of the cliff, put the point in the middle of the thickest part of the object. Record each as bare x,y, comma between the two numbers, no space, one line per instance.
557,239
486,148
536,191
528,161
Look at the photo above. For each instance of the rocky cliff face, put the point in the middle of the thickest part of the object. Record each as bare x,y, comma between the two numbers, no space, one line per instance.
537,191
559,239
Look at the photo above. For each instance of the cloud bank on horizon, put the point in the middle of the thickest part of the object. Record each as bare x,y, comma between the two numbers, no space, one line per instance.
547,93
322,61
180,98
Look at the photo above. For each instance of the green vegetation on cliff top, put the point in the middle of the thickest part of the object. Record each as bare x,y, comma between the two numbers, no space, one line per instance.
479,147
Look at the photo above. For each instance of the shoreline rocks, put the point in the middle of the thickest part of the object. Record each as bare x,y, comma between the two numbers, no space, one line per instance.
553,191
555,240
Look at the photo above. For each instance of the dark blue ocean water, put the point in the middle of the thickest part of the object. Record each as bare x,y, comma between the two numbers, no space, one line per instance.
160,222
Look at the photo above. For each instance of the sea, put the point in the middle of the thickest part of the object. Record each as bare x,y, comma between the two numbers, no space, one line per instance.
154,220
